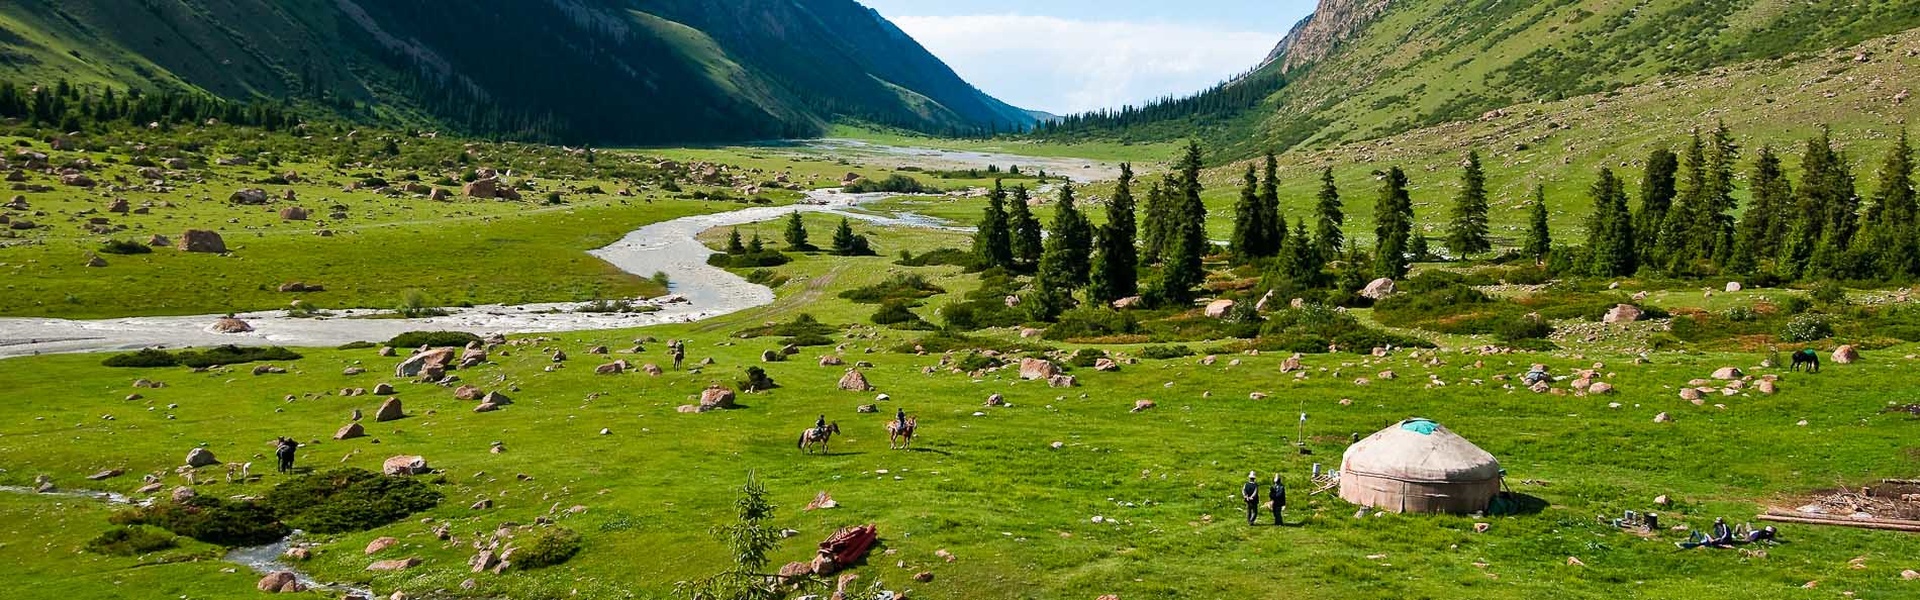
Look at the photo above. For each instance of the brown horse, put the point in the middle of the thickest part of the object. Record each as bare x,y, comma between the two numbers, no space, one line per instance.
819,436
900,434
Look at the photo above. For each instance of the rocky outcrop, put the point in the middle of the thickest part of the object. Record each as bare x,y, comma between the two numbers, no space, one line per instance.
855,381
1315,37
201,240
405,465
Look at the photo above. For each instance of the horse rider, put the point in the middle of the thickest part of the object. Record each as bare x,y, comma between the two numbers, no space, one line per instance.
1251,494
900,416
1277,493
821,424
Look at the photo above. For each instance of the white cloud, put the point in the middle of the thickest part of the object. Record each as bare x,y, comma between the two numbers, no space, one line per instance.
1068,65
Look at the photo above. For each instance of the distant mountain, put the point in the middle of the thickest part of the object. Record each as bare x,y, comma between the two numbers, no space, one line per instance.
600,71
1367,69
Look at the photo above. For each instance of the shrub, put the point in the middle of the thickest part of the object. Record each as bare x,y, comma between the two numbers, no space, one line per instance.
939,257
1165,352
550,546
1794,305
615,306
1829,293
976,361
899,314
767,278
130,541
1807,327
1092,321
803,324
1086,357
1739,314
893,184
356,346
1524,328
145,358
348,499
218,355
416,339
757,380
900,286
748,260
125,247
210,519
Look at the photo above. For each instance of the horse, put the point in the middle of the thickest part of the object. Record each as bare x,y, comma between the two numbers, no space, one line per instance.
815,435
1806,357
900,433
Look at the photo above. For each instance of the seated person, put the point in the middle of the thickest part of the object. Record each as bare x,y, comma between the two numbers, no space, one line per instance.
1721,537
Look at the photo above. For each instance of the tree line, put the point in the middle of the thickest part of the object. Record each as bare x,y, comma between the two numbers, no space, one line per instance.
79,108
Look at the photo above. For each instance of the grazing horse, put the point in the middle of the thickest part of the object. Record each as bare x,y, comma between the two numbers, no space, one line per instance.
900,433
818,435
1806,357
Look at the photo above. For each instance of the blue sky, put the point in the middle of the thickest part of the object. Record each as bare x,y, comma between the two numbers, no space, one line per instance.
1066,56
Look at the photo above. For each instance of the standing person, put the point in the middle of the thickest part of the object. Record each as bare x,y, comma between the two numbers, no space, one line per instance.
1278,495
284,451
679,351
1251,494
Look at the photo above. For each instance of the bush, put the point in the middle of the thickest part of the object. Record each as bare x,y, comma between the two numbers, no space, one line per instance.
767,278
1829,293
1165,352
125,247
901,286
1524,328
130,541
1092,321
893,184
976,361
550,546
437,339
356,346
218,355
943,256
803,324
348,499
899,314
210,519
1086,357
1807,327
1794,305
615,306
757,380
749,260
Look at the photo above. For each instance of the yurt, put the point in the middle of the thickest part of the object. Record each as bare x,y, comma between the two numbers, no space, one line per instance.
1418,466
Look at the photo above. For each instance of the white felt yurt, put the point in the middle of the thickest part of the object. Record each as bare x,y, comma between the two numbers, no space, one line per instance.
1418,466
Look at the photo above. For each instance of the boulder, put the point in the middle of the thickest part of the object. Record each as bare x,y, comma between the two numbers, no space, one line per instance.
1623,313
398,564
1846,354
867,409
77,180
95,261
159,241
1690,394
201,457
352,430
716,396
1037,368
831,361
249,196
279,582
652,369
389,411
1765,386
231,325
482,188
378,544
996,400
1219,308
1600,387
496,398
1062,381
855,381
383,389
1105,364
1291,364
1662,418
120,206
405,465
1141,405
434,360
1378,288
1727,373
201,240
613,368
1128,302
468,392
293,213
486,407
1733,286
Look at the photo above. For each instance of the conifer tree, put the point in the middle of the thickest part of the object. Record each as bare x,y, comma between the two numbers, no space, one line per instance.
1116,261
1467,233
1762,227
1610,229
843,238
1676,248
1417,250
1713,221
1393,226
755,246
1187,245
1063,266
993,240
734,246
1539,238
1893,218
1247,242
1328,239
796,234
1302,258
1656,198
1274,226
1153,236
1026,229
1828,201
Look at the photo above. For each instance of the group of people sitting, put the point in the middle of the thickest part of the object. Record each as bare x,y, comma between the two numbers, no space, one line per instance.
1724,536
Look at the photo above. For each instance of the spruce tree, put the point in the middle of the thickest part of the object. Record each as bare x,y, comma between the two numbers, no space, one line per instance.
1247,242
1467,233
1302,258
755,246
1071,237
1539,238
1828,199
1273,225
1610,229
1893,218
1187,244
1713,221
1116,260
993,240
1328,239
1393,226
1153,236
796,234
1762,227
734,246
1026,229
1656,198
1417,250
843,238
1677,246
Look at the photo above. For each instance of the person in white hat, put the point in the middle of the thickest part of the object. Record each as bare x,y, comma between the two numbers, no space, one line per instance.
1251,494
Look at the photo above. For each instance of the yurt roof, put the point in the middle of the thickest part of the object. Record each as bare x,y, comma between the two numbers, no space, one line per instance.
1419,450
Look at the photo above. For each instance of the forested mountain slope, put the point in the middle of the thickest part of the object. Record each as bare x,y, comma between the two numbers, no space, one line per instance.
600,71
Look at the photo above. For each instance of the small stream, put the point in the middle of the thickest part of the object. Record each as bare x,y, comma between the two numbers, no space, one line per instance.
262,559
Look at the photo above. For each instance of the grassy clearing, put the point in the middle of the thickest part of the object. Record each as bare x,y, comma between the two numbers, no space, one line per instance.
990,489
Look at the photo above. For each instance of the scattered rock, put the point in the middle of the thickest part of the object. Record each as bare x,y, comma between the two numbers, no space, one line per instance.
201,457
1141,405
1728,373
1219,308
231,325
279,582
378,544
1846,354
405,465
1037,368
388,411
854,381
1623,313
1662,418
351,431
1600,388
716,396
1378,288
398,564
996,400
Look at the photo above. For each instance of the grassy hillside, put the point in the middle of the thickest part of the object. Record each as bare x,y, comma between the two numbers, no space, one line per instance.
589,71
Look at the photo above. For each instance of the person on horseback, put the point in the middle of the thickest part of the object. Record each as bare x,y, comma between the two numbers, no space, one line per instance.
900,415
1251,494
1278,495
820,424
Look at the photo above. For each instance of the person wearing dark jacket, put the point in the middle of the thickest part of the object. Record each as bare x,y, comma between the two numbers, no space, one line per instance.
283,450
1277,493
1251,494
821,424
